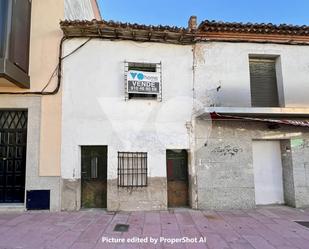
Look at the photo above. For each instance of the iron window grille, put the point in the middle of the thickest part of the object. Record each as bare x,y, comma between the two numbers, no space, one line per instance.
13,119
132,169
144,67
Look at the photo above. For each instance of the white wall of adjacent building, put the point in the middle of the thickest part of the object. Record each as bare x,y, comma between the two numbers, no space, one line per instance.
261,171
226,64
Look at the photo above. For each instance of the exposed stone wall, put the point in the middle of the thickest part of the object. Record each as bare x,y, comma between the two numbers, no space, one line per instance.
152,197
287,173
71,194
224,162
300,156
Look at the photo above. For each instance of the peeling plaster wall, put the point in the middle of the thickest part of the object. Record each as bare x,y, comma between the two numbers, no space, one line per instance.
300,158
95,113
227,65
154,197
224,163
223,149
287,173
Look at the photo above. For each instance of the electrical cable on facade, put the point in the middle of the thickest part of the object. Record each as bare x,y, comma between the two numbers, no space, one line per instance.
57,71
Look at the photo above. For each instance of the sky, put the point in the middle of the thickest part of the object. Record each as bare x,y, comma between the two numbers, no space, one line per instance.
177,12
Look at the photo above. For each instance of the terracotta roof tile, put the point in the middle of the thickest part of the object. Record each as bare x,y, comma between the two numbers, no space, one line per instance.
258,28
121,25
206,31
126,31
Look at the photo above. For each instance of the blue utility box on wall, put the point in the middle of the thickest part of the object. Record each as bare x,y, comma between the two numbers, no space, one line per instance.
38,200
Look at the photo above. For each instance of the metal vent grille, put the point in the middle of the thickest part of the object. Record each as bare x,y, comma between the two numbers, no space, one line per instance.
13,119
121,228
303,223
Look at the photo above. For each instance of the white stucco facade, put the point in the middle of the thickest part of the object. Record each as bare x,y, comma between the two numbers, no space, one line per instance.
95,111
226,64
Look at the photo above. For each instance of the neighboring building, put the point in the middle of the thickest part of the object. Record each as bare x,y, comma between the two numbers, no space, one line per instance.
222,125
81,10
30,99
257,73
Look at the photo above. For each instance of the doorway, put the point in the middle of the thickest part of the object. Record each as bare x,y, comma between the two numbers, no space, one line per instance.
93,176
177,178
13,147
267,167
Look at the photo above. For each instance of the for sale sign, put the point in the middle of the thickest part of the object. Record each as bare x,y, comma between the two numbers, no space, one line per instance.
143,82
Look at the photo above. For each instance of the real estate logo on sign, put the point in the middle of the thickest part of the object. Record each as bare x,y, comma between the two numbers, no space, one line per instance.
143,82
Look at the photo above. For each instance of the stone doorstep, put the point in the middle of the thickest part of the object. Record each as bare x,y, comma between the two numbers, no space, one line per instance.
12,207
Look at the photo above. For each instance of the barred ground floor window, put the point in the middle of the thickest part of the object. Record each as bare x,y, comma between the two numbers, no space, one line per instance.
132,169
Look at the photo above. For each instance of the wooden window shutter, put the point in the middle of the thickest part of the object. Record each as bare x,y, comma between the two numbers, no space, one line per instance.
20,34
263,83
3,26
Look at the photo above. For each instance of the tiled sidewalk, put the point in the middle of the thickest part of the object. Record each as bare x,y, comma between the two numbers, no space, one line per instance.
261,228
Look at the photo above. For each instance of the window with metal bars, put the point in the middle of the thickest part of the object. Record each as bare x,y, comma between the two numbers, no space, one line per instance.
15,119
132,169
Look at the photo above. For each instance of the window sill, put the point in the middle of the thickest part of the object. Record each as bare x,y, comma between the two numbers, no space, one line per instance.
11,74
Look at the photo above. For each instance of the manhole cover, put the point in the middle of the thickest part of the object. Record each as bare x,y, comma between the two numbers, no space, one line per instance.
303,223
121,228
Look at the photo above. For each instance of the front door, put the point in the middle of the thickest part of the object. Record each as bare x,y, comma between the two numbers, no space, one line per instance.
267,167
177,178
13,142
94,176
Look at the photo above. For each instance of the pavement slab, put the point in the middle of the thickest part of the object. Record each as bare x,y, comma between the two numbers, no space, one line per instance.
269,227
